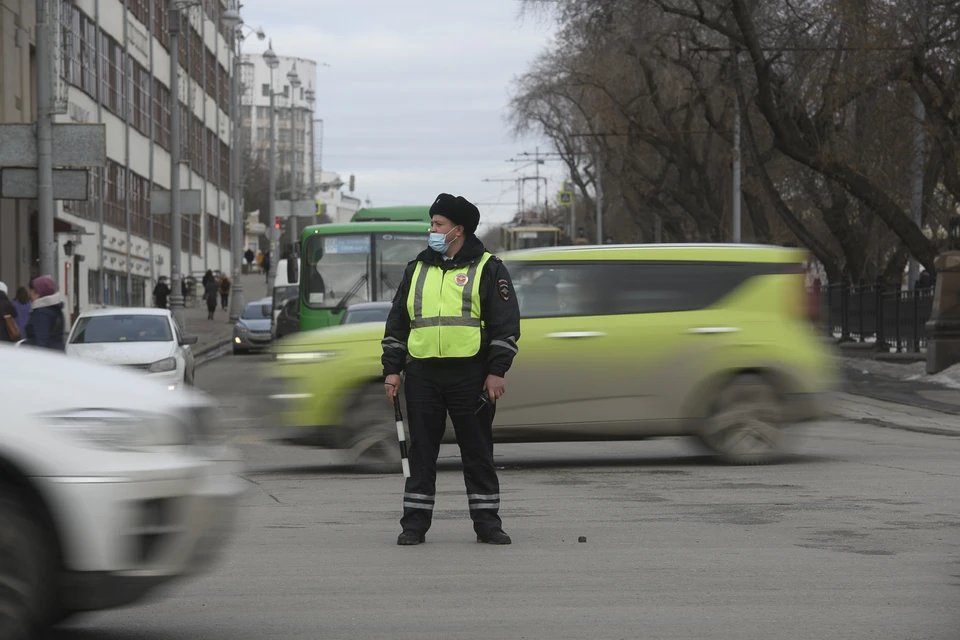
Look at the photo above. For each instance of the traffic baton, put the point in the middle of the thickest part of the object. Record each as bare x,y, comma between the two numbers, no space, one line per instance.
402,436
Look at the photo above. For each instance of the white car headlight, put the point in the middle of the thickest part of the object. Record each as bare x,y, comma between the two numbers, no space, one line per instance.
118,430
167,364
303,357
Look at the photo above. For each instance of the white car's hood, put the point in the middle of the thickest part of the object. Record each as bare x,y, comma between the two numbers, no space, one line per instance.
122,353
46,380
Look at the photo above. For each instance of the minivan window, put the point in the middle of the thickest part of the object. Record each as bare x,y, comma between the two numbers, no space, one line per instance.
549,290
664,287
555,290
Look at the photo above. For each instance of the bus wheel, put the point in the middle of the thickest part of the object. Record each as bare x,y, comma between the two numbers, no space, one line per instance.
373,447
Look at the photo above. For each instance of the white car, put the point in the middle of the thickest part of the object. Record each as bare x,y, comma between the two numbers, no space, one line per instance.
146,340
109,486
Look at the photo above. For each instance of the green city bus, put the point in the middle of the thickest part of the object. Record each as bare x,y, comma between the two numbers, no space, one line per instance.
392,214
346,263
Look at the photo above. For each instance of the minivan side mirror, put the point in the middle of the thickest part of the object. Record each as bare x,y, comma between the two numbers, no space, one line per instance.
293,269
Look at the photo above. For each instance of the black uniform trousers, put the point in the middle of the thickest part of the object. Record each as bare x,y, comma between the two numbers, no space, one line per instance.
434,388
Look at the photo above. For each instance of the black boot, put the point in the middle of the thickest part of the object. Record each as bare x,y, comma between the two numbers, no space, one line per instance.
410,538
496,536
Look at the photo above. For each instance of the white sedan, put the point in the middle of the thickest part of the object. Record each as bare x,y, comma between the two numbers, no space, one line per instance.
110,486
145,340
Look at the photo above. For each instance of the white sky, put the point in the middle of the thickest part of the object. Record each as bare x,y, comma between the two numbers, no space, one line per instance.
414,101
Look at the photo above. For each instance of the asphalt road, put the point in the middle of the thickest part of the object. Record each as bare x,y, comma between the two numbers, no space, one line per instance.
856,538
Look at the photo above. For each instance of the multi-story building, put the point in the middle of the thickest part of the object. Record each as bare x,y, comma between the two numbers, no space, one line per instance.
113,67
294,118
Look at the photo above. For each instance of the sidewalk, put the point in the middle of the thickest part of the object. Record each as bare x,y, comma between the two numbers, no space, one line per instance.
218,332
894,415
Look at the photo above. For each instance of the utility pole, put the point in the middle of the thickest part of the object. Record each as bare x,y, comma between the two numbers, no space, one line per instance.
176,295
236,229
271,58
45,205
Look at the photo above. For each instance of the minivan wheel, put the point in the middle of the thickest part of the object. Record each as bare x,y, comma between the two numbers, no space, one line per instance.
26,571
744,426
373,446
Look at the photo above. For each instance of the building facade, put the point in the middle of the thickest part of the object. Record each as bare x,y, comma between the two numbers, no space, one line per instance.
113,67
295,124
338,206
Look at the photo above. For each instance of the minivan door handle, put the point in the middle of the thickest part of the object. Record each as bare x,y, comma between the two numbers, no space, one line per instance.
576,334
712,330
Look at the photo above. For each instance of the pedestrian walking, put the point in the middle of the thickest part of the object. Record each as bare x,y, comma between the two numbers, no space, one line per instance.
208,277
265,265
453,329
9,331
210,296
249,257
224,286
46,326
21,302
161,292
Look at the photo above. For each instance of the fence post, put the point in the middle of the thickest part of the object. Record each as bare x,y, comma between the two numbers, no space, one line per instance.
844,311
860,309
916,320
896,312
880,331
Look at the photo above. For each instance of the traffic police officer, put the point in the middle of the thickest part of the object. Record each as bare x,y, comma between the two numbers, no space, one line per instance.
453,328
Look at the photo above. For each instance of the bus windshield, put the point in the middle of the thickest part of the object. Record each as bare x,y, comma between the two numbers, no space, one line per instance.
339,267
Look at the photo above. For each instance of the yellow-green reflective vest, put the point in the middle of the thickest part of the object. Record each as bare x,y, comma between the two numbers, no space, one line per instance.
444,308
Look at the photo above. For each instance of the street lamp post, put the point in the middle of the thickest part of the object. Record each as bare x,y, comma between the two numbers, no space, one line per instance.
272,62
176,295
295,83
311,98
232,20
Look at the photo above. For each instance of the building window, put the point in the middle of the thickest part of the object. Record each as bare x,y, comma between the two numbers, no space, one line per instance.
266,91
88,54
161,114
94,292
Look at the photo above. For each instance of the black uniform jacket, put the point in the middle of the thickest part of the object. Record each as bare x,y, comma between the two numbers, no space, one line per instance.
499,312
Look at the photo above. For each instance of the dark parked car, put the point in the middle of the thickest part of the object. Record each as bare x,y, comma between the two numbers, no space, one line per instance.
366,312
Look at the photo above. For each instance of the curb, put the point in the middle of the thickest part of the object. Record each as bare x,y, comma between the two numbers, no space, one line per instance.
211,346
892,425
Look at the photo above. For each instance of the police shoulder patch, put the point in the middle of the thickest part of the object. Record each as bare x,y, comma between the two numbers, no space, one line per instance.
504,288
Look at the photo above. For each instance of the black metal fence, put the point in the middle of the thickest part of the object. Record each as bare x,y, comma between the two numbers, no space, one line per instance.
895,320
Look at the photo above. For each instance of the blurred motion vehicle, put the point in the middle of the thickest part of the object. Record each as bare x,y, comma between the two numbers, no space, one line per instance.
109,486
144,340
529,236
618,342
367,312
252,329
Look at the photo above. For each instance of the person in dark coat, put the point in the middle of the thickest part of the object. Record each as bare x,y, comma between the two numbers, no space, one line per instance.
46,326
210,295
161,292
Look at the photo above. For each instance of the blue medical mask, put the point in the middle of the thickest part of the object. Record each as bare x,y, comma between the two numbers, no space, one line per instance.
439,243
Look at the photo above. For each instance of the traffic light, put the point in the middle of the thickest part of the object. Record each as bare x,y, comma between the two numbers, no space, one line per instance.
276,222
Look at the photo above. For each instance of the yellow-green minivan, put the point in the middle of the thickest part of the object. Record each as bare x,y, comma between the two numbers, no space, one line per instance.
617,343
